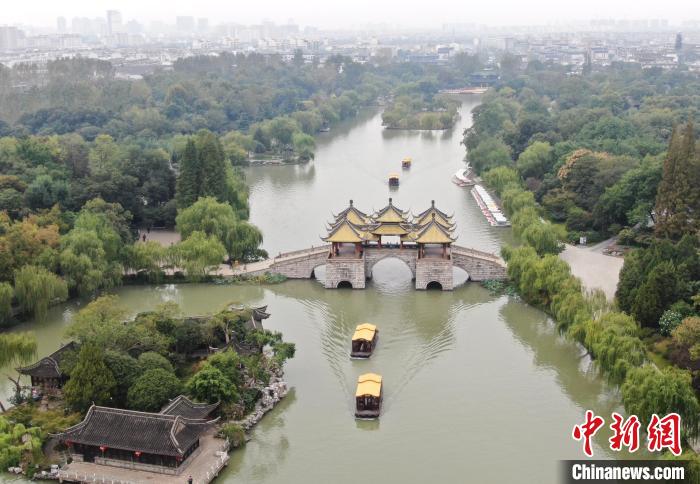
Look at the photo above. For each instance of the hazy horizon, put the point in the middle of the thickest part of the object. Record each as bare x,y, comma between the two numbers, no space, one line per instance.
360,13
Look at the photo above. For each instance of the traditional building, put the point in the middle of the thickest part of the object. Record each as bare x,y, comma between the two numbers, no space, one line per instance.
46,373
162,442
422,241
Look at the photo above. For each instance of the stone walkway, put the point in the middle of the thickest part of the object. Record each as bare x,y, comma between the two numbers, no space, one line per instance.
204,468
596,270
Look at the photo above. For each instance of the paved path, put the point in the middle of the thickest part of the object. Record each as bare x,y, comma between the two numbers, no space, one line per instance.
596,270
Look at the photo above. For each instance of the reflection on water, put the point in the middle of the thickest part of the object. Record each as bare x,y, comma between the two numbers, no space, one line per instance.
477,388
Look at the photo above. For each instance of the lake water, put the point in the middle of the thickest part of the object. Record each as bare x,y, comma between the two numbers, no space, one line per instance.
478,388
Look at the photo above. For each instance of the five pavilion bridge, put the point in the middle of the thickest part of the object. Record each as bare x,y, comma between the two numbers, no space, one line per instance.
357,241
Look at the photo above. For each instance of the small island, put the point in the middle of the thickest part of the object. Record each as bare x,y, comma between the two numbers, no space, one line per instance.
417,106
158,394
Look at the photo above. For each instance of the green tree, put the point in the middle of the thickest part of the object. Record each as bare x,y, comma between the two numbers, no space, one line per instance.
153,389
501,177
104,154
210,385
125,369
91,381
489,153
103,323
198,254
189,179
212,165
677,201
17,348
659,290
648,391
6,295
148,258
536,160
209,216
151,360
245,242
36,288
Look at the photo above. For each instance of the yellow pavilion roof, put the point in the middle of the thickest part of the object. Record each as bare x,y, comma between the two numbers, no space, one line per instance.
369,384
390,214
364,331
346,232
354,215
431,233
441,217
389,229
424,219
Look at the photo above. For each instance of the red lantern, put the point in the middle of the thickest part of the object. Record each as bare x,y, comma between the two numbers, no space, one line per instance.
137,453
103,448
69,443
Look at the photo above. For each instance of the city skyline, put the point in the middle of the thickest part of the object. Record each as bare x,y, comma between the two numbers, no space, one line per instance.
359,14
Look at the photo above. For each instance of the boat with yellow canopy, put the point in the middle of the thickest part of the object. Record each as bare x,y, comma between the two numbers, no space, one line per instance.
393,179
406,163
368,396
364,340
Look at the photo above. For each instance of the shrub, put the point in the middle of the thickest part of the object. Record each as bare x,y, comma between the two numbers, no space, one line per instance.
669,321
150,360
234,433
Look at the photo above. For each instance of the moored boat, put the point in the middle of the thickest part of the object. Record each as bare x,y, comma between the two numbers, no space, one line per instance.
364,340
406,163
393,179
368,396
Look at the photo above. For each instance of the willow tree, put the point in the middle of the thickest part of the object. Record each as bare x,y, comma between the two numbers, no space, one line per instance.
16,349
36,288
648,390
197,255
6,294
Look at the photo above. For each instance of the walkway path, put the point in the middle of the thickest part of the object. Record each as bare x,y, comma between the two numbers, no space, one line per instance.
596,270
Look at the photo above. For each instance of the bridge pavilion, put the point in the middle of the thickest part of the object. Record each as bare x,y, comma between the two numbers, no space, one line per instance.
423,232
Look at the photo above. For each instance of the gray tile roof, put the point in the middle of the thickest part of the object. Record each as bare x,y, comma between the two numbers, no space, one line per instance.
153,433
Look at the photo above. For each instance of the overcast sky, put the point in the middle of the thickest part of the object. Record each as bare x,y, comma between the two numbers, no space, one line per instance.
353,13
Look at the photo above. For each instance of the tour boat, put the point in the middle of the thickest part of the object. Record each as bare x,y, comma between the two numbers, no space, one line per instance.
393,179
364,340
368,396
489,208
461,178
406,163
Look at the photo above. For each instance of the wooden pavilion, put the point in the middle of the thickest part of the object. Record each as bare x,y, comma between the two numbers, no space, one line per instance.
46,373
431,234
429,228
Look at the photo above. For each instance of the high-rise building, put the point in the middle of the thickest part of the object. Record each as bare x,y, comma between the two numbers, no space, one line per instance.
114,21
61,25
10,38
185,24
202,24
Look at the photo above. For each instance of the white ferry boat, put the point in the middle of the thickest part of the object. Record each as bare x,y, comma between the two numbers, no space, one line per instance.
489,208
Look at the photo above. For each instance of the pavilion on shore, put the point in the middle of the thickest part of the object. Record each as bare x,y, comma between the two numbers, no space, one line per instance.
163,442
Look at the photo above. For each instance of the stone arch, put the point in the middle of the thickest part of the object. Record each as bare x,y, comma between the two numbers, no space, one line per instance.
410,262
344,285
433,285
312,275
460,275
